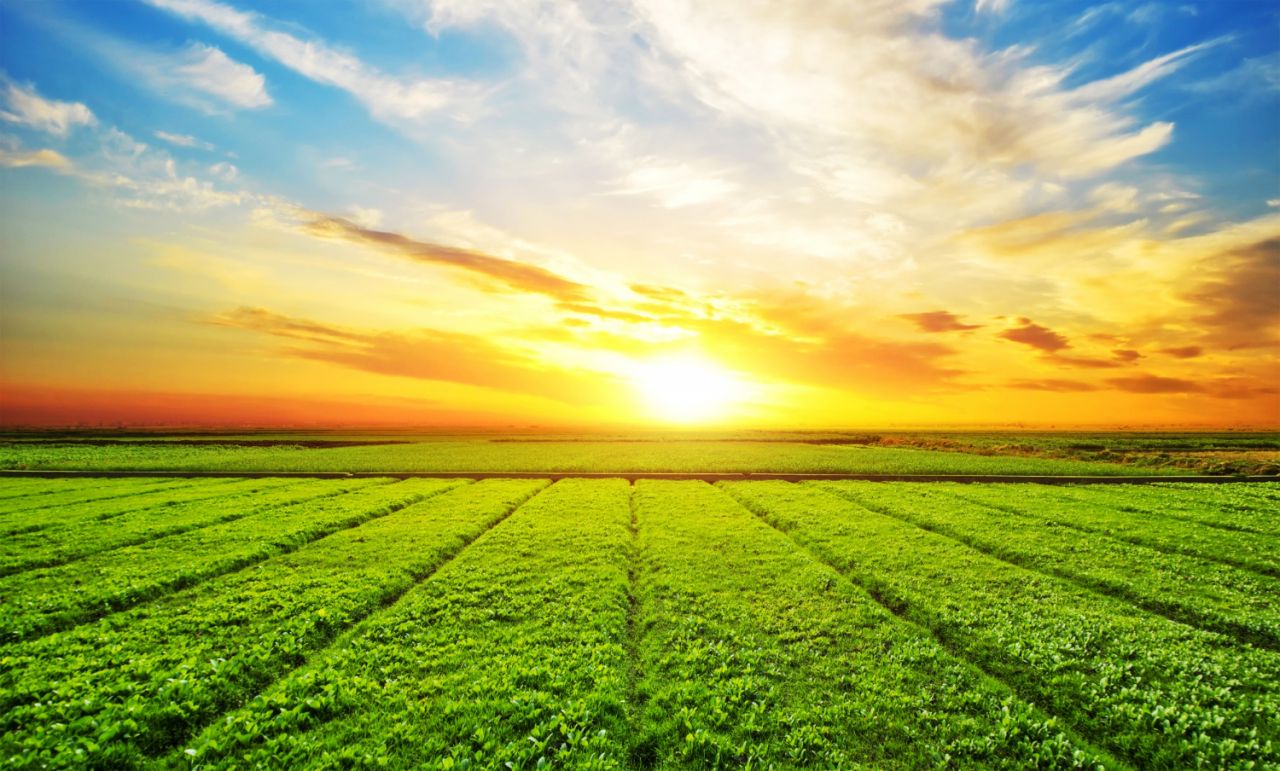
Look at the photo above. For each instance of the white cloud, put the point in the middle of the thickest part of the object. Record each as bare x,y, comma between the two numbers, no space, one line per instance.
225,171
991,6
386,97
1126,83
22,105
209,70
50,159
182,140
676,186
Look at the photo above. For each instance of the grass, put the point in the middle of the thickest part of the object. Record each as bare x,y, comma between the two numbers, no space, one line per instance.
479,455
594,624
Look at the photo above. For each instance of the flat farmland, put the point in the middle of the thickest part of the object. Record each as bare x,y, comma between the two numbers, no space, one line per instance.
521,624
463,455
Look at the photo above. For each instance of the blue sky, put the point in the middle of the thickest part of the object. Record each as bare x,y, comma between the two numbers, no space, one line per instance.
826,174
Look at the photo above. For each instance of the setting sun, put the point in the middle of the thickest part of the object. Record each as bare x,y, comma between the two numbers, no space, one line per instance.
687,388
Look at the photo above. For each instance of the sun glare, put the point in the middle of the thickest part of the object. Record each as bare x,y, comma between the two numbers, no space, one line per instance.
687,388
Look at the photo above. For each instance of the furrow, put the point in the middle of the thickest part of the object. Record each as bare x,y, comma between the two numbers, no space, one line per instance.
757,654
243,632
1246,551
1184,589
1157,693
511,656
41,601
62,544
70,513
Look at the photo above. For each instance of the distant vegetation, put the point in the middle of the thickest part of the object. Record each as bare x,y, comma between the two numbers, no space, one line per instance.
1063,453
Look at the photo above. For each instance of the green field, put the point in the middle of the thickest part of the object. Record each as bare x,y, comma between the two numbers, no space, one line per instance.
446,623
998,453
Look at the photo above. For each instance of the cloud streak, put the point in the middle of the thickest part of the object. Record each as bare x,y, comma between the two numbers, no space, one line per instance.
520,276
386,97
25,107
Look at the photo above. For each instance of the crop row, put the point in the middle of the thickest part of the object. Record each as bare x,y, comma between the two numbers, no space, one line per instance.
1156,692
122,691
77,492
512,656
1199,592
46,599
69,540
1252,551
757,655
31,487
103,501
1228,506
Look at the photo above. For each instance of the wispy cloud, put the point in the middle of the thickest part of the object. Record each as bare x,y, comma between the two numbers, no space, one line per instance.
515,275
938,321
208,70
25,107
50,159
386,97
182,140
1041,338
1237,300
423,354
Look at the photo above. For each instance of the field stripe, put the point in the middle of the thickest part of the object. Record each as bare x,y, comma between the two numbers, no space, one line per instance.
1220,507
1159,693
44,600
12,488
122,500
512,652
60,544
702,476
1248,551
255,627
758,654
1190,590
638,753
102,491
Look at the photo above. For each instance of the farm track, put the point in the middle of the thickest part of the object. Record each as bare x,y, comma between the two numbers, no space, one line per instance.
701,476
1077,733
1065,570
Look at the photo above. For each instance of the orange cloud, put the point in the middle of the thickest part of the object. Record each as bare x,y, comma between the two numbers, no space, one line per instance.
515,275
1183,352
937,321
423,354
1239,299
1036,336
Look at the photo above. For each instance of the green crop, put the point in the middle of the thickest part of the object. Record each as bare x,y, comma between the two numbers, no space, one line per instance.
1156,692
40,601
594,456
756,654
592,624
72,537
1092,513
123,692
512,656
1200,592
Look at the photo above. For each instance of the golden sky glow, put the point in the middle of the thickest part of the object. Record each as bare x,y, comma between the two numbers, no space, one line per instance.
775,214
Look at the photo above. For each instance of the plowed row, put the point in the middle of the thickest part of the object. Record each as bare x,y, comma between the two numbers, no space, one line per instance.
432,623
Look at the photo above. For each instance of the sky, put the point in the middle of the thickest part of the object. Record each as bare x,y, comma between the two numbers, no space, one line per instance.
773,214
